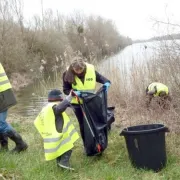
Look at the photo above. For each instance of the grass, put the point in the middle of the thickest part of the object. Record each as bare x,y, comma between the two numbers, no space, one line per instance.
114,164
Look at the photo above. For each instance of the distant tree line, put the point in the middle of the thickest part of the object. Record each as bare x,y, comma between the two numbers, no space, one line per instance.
53,39
159,38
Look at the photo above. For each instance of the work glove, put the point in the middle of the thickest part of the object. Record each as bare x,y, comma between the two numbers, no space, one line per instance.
106,86
69,97
78,93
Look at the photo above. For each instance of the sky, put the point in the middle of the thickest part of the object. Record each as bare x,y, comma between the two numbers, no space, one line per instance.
133,18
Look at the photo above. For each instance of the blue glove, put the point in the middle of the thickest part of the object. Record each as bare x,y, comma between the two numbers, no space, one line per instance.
106,85
78,93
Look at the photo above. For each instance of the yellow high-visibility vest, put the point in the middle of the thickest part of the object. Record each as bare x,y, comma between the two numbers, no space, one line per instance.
55,143
4,81
160,87
89,84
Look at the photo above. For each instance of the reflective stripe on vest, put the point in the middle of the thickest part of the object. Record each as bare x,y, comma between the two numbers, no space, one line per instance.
62,143
55,143
160,87
89,84
4,81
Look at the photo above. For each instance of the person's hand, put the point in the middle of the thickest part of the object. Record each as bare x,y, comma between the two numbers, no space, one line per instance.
69,97
106,86
78,93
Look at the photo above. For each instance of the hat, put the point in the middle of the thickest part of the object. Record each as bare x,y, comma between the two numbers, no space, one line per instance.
55,95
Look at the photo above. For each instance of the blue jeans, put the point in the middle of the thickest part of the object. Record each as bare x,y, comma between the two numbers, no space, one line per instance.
4,126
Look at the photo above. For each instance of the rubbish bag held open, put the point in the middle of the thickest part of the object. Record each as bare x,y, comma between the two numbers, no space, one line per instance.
95,123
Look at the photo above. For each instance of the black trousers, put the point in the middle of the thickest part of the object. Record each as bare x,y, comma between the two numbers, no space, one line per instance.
79,115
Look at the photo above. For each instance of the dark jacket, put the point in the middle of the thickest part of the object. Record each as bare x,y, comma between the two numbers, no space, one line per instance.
7,99
58,110
67,86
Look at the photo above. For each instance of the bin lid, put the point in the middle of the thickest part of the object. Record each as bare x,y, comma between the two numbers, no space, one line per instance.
144,129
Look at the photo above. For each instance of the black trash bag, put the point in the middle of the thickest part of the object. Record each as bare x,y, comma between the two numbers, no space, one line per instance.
110,116
110,111
95,109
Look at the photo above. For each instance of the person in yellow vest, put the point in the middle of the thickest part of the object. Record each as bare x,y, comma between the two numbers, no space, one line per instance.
7,99
56,129
160,90
81,77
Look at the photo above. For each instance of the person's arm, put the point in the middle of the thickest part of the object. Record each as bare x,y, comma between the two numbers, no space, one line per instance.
153,91
66,85
61,107
101,79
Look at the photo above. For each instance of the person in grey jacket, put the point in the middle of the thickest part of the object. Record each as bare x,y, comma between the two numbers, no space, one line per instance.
60,134
7,99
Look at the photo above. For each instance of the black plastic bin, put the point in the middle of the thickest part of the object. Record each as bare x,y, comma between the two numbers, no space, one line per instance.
146,145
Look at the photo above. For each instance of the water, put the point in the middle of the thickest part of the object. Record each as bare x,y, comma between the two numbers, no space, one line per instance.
136,53
29,103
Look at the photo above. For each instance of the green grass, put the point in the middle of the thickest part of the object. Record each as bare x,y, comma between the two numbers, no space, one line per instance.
114,164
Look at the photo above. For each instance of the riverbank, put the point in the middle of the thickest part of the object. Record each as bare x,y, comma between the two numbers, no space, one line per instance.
20,81
114,164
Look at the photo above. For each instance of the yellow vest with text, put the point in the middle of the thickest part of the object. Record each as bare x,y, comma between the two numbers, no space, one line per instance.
160,87
55,143
4,81
89,84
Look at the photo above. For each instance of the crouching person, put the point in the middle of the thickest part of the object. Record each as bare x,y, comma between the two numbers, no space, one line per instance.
56,129
160,92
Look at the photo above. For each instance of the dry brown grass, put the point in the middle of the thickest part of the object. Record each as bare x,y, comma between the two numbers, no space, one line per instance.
127,92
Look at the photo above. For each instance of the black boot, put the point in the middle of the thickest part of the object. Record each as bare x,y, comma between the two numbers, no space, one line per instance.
20,144
4,142
63,160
